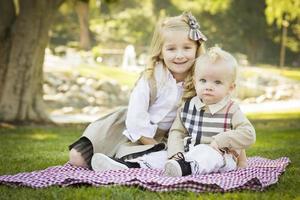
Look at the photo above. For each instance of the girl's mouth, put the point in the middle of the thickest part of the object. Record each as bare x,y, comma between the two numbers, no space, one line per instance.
179,63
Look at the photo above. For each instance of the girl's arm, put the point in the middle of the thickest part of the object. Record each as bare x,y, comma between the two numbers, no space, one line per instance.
241,136
176,136
147,140
138,118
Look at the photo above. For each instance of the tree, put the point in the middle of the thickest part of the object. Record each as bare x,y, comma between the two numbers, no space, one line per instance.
82,10
283,13
24,27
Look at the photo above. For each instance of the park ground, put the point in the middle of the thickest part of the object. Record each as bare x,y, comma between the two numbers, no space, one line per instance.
30,148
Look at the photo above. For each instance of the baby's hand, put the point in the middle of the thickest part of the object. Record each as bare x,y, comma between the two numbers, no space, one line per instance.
214,145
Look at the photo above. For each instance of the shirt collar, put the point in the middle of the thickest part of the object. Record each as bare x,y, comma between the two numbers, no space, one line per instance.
213,108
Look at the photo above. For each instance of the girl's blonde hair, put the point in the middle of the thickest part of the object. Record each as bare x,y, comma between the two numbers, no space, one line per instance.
180,22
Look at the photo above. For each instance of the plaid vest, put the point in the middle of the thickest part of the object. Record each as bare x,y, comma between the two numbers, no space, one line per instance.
202,124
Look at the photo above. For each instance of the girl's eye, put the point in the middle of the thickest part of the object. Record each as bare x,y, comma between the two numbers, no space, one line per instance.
170,49
202,80
187,47
218,82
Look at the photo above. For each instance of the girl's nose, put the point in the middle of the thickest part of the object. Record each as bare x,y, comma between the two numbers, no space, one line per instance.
179,54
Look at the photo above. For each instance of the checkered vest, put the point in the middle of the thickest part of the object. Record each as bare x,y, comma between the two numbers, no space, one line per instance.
202,124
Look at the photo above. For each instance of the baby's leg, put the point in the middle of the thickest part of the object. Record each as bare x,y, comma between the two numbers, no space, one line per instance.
230,163
204,159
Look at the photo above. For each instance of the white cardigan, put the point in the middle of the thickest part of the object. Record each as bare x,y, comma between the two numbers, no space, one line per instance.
143,120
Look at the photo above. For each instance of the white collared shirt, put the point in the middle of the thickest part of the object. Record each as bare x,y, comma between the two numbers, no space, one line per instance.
213,108
142,119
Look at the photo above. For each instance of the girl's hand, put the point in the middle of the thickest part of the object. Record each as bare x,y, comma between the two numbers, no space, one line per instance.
147,140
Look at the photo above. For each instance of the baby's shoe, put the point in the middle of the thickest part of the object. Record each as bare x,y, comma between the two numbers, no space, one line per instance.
101,162
178,166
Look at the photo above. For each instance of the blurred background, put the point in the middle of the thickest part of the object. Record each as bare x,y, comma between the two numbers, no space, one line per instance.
74,60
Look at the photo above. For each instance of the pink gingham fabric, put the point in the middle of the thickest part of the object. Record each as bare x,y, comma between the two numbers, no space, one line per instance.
259,174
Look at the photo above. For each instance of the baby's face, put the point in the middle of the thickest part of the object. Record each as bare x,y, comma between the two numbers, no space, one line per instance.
213,82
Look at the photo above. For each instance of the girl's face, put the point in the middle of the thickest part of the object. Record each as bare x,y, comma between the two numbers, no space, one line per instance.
178,53
213,82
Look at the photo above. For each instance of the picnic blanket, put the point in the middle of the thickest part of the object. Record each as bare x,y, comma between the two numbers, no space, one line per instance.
259,174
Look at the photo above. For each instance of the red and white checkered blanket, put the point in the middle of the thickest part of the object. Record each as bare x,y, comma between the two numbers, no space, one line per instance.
260,173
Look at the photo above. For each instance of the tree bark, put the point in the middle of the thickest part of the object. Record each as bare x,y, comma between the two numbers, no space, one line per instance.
82,10
23,39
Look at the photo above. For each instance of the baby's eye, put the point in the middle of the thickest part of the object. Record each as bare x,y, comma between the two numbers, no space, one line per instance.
218,82
202,80
187,47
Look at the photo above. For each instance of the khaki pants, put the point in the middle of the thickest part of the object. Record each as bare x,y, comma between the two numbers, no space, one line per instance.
106,136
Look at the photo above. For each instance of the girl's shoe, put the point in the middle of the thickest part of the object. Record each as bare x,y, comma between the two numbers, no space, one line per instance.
101,162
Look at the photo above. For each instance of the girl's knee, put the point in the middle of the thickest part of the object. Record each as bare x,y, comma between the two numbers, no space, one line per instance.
75,158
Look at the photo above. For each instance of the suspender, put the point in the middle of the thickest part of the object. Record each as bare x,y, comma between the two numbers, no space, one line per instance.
192,124
226,115
199,132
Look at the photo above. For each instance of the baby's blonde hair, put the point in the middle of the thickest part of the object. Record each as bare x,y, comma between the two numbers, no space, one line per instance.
155,55
215,55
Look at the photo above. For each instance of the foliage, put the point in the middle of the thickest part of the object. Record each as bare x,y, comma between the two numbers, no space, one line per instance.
239,26
280,10
285,13
127,25
33,148
196,6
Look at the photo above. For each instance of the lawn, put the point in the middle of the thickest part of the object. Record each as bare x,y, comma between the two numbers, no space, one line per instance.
33,148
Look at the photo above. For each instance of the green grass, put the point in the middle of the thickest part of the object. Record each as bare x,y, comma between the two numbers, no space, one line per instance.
34,148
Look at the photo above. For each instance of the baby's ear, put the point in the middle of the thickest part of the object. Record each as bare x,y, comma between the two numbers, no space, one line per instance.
233,86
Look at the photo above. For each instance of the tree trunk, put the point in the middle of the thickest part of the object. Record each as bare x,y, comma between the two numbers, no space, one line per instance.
22,47
82,10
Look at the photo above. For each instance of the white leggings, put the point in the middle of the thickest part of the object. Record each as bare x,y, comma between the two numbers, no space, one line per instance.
204,159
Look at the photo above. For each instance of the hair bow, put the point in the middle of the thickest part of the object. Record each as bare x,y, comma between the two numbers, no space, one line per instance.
195,33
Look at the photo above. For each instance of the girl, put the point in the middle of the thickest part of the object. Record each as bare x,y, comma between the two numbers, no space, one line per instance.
176,42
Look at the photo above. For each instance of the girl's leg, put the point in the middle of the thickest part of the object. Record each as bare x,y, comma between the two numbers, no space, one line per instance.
81,153
76,159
